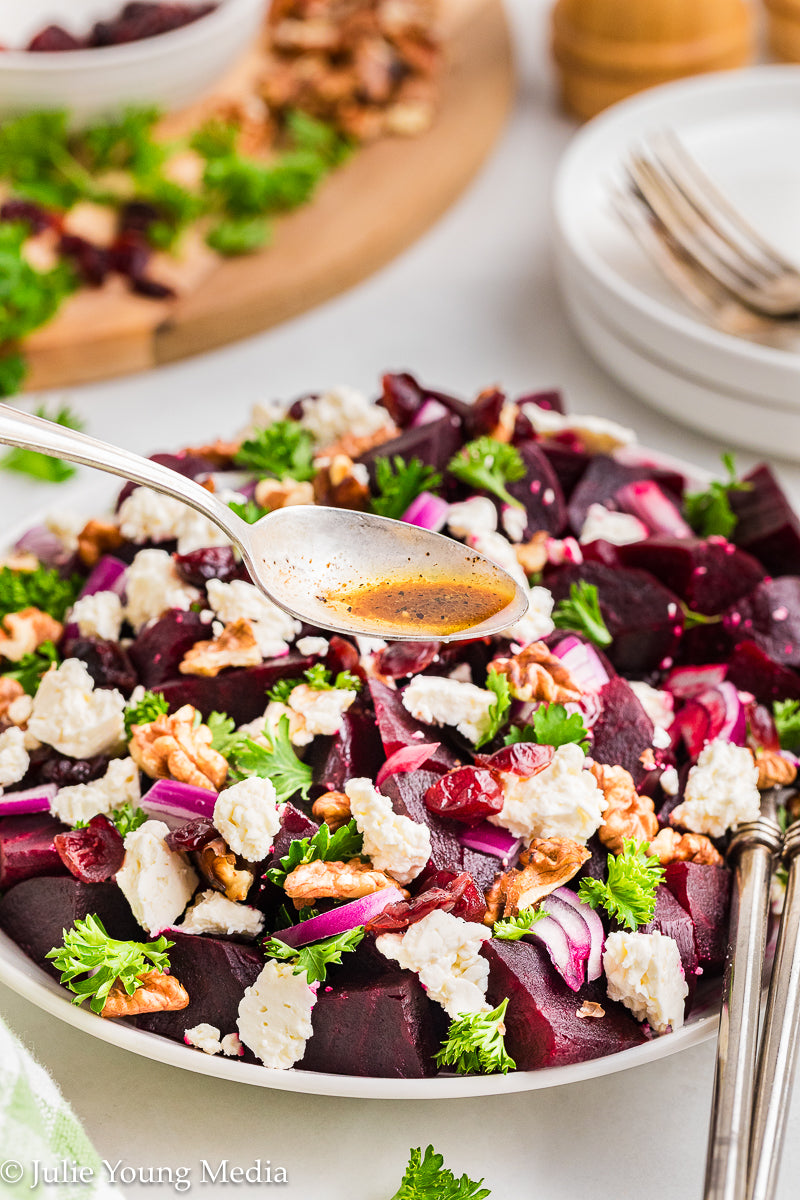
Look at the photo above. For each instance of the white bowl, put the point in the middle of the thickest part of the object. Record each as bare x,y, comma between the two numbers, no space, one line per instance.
169,70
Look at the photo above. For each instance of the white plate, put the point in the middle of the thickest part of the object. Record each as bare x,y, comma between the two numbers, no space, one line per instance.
741,126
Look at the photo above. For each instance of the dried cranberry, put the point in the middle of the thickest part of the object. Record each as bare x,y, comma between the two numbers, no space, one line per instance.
65,772
484,414
523,758
91,261
193,835
53,37
130,254
213,562
152,289
761,731
36,217
406,658
94,853
468,794
137,216
402,398
459,895
142,20
106,661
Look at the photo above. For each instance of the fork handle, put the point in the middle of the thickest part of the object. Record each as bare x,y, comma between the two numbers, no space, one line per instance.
752,853
779,1046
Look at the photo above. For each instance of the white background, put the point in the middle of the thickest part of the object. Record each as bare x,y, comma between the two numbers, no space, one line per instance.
473,303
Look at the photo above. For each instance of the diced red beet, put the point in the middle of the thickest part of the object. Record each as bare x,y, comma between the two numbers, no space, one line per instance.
623,731
35,913
159,649
603,478
94,853
568,463
406,658
708,574
521,758
542,1026
355,751
643,617
398,728
107,662
770,617
193,835
385,1027
90,261
468,794
241,693
539,491
26,848
402,397
483,414
750,670
433,444
767,527
551,400
705,893
294,825
211,562
672,919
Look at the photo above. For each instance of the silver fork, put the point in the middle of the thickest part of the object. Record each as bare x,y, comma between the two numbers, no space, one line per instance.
715,257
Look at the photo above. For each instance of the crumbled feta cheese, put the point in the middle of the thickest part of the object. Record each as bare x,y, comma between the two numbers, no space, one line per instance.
66,526
644,972
395,844
73,716
342,410
658,705
273,628
19,710
157,882
14,758
444,951
470,517
316,647
232,1046
148,516
514,521
563,800
670,781
204,1037
462,672
721,791
369,645
597,430
82,801
266,413
499,550
248,817
153,586
211,912
319,711
537,622
618,528
275,1015
440,701
98,615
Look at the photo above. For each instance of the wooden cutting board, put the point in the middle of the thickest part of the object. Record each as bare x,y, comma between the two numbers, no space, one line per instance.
364,215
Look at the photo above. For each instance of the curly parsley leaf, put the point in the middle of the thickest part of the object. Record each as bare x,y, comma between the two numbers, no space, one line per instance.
308,133
276,761
629,892
513,928
324,846
552,726
315,958
582,614
317,677
37,160
31,667
233,236
283,448
88,950
709,513
42,466
45,589
489,465
399,483
123,143
248,510
787,722
147,708
498,710
474,1044
427,1177
13,369
28,298
127,818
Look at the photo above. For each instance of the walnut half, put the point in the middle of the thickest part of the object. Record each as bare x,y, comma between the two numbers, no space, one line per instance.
335,881
547,863
628,816
536,674
236,646
157,992
217,864
23,632
671,846
333,808
174,747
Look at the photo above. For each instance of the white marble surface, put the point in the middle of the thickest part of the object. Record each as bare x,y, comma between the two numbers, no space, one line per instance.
473,303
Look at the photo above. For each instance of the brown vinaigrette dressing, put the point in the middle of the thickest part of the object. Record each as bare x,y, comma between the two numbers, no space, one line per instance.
441,606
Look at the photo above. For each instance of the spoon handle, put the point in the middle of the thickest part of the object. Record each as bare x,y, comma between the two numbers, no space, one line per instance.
34,433
778,1056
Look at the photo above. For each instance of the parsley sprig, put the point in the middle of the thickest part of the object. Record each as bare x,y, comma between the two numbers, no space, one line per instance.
489,465
629,892
317,677
28,299
499,708
513,928
126,818
581,612
709,513
144,710
552,726
31,667
474,1044
324,846
399,483
248,510
88,951
281,449
42,466
787,722
316,957
45,589
427,1177
276,761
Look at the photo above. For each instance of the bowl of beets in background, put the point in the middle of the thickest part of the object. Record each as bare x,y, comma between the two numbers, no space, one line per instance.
146,52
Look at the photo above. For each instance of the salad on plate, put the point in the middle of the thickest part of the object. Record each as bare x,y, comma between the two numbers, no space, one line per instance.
397,859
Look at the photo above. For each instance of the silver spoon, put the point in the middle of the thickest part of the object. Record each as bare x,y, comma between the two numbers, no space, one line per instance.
322,565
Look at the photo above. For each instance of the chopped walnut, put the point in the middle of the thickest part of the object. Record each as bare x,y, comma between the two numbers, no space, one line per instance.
774,770
536,674
236,646
532,555
174,747
547,863
19,562
157,992
283,493
220,452
334,880
671,846
337,483
217,863
96,539
23,632
354,447
628,815
333,808
590,1008
10,691
255,128
648,759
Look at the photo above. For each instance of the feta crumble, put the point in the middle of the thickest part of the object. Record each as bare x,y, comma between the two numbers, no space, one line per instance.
340,411
275,1015
204,1037
644,972
658,705
82,801
441,701
395,844
563,800
148,516
444,951
618,528
157,882
600,432
273,628
514,521
66,525
248,817
73,716
316,647
153,586
538,620
14,758
314,711
721,790
98,615
472,517
211,912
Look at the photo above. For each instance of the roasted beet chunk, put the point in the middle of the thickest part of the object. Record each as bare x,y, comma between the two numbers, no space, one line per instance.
704,892
602,480
212,562
770,617
354,751
706,574
241,693
398,728
94,853
433,444
623,731
766,526
539,491
672,919
54,38
26,847
750,670
469,794
406,658
159,649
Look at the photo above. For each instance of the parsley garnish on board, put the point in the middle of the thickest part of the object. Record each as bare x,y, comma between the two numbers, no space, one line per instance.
582,614
709,513
324,846
42,466
276,761
283,448
474,1044
144,710
317,677
43,588
552,726
786,714
513,928
490,465
239,235
498,710
315,958
399,483
89,951
426,1178
31,667
629,892
28,299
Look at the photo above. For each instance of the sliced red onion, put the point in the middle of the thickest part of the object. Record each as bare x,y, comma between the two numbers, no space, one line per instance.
733,727
32,800
107,576
407,758
597,934
175,803
582,662
644,499
687,682
490,839
427,512
572,922
563,955
430,410
339,920
46,545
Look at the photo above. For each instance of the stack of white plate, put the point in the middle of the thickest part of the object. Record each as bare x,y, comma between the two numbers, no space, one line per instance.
743,127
